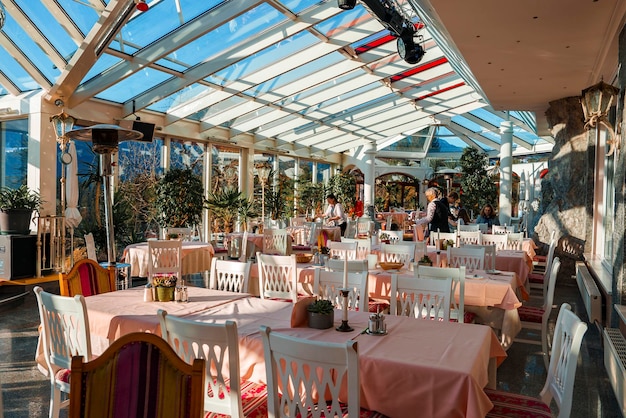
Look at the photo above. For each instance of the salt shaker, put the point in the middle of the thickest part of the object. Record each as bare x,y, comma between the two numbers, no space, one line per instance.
147,293
373,324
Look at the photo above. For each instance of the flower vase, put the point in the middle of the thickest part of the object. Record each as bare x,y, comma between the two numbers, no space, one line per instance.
165,294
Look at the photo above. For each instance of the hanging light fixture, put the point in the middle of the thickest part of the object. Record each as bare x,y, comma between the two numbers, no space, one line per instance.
346,4
596,103
141,5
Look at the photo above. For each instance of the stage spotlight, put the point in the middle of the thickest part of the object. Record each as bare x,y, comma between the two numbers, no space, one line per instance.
408,50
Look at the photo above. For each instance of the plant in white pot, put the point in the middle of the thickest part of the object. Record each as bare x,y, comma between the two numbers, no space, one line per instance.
321,314
16,209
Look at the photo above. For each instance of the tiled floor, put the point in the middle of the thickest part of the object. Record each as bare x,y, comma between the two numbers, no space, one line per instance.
27,392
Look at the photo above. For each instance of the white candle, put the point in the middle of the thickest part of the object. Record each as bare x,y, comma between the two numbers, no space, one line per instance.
345,271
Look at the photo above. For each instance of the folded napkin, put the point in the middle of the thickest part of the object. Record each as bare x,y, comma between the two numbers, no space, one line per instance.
299,317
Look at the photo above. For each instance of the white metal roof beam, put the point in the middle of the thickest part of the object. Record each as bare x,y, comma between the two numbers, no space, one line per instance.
35,34
66,23
490,127
461,130
8,84
194,74
24,61
112,19
164,46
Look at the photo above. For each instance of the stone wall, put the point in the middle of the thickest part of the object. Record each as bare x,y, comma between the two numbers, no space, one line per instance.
566,191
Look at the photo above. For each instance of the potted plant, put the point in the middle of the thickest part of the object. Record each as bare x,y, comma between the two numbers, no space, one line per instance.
321,314
425,261
16,209
165,286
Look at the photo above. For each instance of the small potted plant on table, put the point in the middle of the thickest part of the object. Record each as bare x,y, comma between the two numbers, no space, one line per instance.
321,314
165,286
425,261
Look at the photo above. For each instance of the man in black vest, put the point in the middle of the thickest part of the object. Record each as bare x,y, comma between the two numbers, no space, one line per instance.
436,212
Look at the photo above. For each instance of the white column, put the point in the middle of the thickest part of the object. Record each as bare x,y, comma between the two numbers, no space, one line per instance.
506,171
369,176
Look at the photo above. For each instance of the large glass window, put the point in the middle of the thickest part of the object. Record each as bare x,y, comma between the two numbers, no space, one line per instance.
13,152
187,154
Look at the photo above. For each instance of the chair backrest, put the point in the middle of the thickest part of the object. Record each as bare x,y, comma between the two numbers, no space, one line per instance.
87,278
468,227
363,247
490,255
469,257
355,266
91,247
421,249
314,231
350,231
197,260
458,282
501,241
421,298
183,234
278,276
515,241
297,221
342,249
549,295
470,237
394,237
326,285
116,383
218,345
483,228
397,253
231,276
549,262
164,257
447,236
568,336
498,229
364,227
275,241
64,329
309,368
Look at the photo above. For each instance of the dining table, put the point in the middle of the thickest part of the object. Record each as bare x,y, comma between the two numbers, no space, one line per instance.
438,368
137,256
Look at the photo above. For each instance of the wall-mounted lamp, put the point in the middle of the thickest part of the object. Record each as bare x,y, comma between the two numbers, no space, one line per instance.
596,102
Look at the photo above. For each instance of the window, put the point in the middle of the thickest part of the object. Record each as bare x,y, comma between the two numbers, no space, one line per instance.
13,152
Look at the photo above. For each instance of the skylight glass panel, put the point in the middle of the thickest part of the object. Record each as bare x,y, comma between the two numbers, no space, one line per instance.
48,26
488,117
466,123
275,53
297,6
134,85
105,61
246,27
161,19
298,73
342,21
15,72
190,93
83,15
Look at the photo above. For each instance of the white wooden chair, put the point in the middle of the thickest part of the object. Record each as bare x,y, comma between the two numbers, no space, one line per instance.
64,334
354,266
350,231
515,241
539,280
421,249
502,229
559,385
297,221
536,318
278,277
218,345
469,257
468,227
364,227
231,276
397,253
501,241
164,257
326,285
447,236
276,241
363,247
422,298
342,249
457,275
289,362
394,237
490,256
470,237
183,234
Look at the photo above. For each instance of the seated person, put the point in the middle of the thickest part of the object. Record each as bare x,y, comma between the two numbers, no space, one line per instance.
488,216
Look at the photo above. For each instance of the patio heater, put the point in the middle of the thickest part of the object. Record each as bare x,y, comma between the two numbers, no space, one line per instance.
596,103
263,171
105,140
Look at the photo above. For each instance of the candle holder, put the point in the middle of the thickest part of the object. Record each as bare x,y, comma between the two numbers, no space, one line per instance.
344,327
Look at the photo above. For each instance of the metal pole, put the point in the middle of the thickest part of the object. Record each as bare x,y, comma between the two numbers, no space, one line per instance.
106,172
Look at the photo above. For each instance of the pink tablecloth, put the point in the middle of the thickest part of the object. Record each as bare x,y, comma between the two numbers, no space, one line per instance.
114,314
137,256
433,367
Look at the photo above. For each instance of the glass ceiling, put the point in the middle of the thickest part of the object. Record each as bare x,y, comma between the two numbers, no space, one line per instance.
302,74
